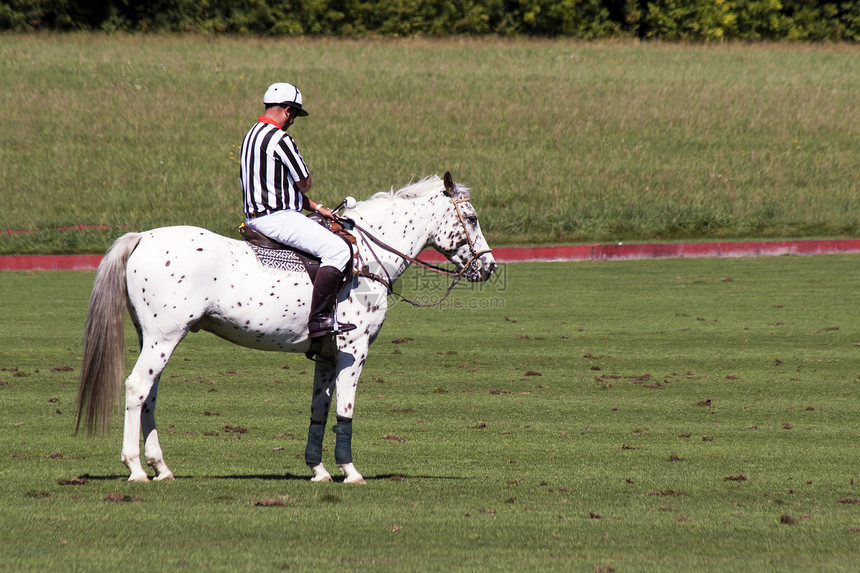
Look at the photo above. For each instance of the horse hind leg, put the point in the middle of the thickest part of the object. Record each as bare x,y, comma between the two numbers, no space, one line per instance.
151,447
141,389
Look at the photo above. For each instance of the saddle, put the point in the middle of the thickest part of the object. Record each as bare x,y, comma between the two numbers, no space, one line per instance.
279,256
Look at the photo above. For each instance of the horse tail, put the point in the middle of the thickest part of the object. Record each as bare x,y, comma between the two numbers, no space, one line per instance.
104,339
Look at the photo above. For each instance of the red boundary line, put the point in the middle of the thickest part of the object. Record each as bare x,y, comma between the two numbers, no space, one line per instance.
595,252
622,252
49,262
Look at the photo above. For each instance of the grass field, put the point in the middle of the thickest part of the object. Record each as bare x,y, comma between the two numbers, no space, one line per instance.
562,142
671,415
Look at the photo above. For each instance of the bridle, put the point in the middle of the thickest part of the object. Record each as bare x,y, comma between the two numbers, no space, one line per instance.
474,259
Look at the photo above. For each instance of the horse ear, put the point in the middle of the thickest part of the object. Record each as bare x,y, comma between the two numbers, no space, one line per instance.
449,184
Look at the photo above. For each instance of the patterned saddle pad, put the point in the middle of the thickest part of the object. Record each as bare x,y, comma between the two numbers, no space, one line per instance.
280,259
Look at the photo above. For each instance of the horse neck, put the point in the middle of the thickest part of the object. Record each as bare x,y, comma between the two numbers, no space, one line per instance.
404,224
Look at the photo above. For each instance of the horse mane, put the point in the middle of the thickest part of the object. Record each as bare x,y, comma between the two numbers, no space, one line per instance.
425,186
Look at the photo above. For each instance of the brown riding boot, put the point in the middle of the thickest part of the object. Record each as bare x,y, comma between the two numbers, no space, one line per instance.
326,286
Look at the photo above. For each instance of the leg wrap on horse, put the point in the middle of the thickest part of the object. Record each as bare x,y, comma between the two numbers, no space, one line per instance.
343,440
313,451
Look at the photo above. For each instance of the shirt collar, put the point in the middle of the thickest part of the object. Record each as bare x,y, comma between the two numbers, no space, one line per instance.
269,120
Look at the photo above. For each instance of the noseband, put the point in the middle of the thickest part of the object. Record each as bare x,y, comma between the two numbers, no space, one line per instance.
476,254
474,259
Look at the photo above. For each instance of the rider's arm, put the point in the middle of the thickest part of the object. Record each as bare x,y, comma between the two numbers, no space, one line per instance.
309,203
304,185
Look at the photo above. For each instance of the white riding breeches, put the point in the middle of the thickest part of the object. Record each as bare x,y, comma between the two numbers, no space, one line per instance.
292,228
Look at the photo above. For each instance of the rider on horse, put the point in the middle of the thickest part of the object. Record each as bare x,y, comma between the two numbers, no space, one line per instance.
275,181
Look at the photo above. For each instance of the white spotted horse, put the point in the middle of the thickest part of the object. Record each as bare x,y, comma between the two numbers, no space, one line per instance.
176,280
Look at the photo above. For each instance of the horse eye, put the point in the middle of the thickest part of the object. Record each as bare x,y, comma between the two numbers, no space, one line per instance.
472,219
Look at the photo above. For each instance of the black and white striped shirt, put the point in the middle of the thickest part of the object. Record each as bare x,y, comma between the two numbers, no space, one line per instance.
270,166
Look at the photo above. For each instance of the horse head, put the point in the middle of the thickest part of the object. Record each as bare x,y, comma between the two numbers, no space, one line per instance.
458,236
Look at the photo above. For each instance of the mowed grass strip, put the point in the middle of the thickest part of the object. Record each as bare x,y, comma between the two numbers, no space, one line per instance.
561,141
668,415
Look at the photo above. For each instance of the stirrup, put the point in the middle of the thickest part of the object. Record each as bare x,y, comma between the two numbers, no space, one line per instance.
341,328
328,325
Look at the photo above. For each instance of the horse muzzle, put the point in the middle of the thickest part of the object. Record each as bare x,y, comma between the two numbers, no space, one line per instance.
480,268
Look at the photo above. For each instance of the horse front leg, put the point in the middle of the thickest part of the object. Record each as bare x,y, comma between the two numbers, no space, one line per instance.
341,378
347,383
324,385
343,451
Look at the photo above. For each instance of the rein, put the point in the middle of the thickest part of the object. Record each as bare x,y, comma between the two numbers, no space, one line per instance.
389,284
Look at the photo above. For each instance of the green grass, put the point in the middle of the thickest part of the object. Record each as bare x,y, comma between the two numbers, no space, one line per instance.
561,141
639,416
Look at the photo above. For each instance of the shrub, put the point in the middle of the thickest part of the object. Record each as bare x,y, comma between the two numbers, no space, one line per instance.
700,20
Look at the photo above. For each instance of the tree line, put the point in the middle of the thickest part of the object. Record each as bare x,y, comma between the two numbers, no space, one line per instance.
697,20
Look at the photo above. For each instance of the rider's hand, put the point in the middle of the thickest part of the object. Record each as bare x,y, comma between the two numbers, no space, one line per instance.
327,213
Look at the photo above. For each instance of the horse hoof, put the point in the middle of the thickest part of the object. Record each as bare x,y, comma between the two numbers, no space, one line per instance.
352,474
165,477
320,473
139,479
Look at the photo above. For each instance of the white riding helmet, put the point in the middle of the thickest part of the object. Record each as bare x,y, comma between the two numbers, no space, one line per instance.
285,94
